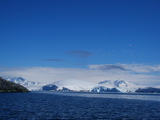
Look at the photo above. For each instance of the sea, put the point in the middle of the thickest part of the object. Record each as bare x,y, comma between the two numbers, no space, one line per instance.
49,105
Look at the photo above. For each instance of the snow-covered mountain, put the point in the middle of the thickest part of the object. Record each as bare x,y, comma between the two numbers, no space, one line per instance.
120,85
75,85
30,85
104,86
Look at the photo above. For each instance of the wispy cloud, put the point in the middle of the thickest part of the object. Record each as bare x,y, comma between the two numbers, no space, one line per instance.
106,67
79,53
137,68
55,60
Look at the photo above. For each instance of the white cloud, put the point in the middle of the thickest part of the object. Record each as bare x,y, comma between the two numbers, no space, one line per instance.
50,75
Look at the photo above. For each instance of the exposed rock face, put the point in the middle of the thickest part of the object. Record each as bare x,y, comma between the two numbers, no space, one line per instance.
7,86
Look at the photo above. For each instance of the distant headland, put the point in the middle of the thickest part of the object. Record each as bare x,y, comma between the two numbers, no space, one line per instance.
9,87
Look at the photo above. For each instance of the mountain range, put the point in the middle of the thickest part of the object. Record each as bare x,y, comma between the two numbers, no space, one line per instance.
79,85
103,86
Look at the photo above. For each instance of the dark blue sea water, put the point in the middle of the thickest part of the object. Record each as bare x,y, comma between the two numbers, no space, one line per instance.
79,106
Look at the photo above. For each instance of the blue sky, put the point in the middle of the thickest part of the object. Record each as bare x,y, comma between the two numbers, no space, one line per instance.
46,33
119,38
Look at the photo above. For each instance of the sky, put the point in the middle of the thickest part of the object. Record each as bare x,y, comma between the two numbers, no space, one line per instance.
108,36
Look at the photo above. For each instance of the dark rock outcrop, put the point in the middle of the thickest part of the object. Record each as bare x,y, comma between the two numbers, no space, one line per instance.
7,86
